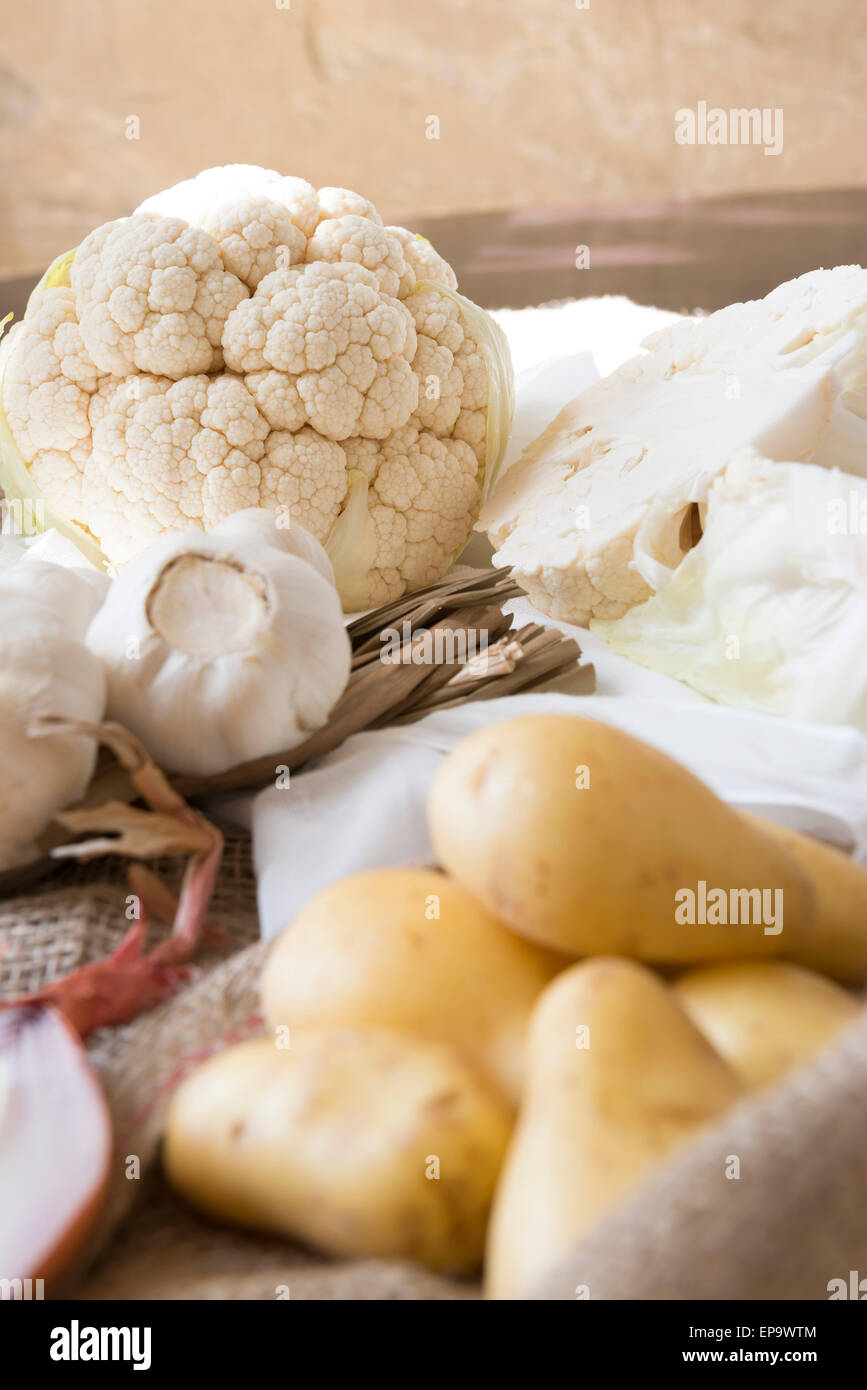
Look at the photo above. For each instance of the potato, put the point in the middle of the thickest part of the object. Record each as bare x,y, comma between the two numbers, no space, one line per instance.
837,945
765,1018
618,1077
580,837
409,949
360,1142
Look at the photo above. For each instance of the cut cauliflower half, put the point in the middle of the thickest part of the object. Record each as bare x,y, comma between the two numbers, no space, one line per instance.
769,610
600,510
152,295
342,346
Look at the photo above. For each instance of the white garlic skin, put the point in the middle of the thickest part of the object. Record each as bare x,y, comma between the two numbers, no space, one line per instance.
45,669
223,647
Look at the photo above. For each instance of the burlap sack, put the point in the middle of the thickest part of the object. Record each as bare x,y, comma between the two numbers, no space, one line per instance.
793,1221
795,1218
147,1245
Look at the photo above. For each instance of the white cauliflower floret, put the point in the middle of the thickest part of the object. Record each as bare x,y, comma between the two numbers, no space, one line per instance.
276,395
50,377
152,295
471,424
453,378
259,220
60,474
52,395
424,262
201,196
359,241
437,318
169,455
255,236
364,455
191,198
342,202
342,344
472,427
474,375
440,386
423,500
304,475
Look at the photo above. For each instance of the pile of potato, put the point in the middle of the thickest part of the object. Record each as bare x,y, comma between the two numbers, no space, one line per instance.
441,1079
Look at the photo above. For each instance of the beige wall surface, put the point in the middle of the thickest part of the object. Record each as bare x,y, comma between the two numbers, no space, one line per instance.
537,101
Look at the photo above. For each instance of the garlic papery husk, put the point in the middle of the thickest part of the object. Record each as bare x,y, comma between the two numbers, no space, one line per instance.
45,669
223,647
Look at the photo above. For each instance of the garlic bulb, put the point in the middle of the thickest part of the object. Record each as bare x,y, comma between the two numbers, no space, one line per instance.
45,668
223,647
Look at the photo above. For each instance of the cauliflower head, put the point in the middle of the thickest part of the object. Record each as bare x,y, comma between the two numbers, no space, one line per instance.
246,340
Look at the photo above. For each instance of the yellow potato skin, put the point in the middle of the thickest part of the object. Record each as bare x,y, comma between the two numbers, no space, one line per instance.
595,1120
837,943
329,1142
765,1017
367,950
595,869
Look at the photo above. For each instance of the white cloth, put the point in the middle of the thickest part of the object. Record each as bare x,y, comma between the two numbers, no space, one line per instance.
363,806
610,326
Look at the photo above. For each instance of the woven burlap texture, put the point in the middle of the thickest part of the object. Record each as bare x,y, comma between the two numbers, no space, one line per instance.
795,1218
147,1245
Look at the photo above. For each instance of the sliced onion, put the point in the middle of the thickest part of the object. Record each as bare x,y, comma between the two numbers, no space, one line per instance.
55,1144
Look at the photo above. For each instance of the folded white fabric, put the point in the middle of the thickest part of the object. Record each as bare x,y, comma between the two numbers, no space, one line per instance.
363,807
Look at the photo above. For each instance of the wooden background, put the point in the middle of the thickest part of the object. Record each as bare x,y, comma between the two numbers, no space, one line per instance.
684,256
541,104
